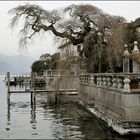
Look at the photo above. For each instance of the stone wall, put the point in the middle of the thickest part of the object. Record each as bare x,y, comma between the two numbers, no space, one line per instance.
108,96
112,104
63,82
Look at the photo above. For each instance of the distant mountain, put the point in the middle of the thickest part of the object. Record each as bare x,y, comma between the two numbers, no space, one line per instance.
15,64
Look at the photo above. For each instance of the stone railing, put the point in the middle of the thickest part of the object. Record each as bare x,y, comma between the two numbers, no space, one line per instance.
121,81
62,78
54,72
61,72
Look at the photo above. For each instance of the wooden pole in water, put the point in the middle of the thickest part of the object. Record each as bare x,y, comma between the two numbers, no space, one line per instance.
31,88
34,79
8,86
57,92
25,82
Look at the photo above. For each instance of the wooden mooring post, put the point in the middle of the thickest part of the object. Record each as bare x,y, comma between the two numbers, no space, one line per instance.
25,82
57,92
8,86
33,98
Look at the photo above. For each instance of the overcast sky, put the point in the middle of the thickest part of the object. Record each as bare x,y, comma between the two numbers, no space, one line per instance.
9,39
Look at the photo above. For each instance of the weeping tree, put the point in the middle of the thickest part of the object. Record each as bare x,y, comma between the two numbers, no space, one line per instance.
103,48
77,24
131,35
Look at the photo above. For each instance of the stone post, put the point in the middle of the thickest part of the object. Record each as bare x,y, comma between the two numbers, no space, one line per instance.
136,66
126,60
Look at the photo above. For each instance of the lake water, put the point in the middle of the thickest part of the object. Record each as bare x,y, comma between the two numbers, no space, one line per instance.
47,121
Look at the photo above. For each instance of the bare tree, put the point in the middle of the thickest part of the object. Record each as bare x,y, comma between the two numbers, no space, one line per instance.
71,23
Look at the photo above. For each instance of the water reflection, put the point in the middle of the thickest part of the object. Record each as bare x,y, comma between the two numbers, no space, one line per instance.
8,111
45,120
33,115
8,115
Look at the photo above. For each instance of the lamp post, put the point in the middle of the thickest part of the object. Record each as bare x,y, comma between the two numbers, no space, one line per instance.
135,52
126,60
102,43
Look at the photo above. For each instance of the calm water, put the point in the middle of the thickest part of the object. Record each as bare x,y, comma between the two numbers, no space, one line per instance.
47,121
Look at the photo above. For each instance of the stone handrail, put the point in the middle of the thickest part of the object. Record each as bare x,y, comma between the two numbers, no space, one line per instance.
60,72
121,81
54,72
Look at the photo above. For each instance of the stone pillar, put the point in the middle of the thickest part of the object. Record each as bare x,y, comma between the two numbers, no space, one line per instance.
136,66
126,60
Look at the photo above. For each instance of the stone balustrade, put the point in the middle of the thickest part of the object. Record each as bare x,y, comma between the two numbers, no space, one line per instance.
54,72
121,81
61,72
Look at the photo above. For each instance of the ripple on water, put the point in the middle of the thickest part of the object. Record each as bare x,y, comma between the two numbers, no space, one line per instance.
47,121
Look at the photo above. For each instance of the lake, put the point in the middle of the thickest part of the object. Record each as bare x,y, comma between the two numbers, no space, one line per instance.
47,121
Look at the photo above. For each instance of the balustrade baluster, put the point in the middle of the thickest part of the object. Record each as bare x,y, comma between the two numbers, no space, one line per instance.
85,78
91,79
126,84
101,82
104,81
119,82
114,80
98,80
109,81
88,79
82,78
